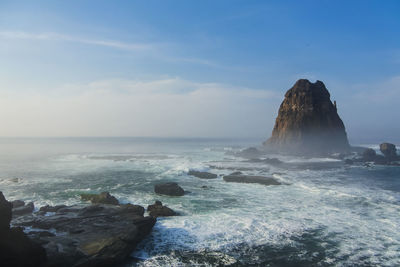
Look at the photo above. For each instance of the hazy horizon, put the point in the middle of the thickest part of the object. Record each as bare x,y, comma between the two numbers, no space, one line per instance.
194,70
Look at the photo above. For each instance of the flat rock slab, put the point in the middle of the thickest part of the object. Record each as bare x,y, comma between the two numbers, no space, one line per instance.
250,179
96,235
169,189
159,210
202,175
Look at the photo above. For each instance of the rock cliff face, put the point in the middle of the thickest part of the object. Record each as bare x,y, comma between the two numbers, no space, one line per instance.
308,122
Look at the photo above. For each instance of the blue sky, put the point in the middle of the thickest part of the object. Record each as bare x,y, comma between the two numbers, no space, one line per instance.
193,68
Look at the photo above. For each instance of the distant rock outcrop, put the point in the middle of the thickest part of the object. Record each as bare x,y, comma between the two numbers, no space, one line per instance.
308,122
169,189
388,150
202,175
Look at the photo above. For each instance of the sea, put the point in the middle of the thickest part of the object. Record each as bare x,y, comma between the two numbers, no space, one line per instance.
325,213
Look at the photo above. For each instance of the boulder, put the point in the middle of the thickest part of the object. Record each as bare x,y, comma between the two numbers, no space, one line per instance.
96,235
48,208
158,210
102,198
369,154
22,210
240,178
17,203
308,123
202,175
169,189
135,209
388,150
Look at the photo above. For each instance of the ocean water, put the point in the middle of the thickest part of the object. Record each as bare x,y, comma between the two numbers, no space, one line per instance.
324,214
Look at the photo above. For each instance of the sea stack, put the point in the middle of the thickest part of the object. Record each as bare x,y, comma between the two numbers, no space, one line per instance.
308,122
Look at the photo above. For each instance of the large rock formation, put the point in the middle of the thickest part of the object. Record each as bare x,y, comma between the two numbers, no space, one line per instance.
308,122
95,235
16,249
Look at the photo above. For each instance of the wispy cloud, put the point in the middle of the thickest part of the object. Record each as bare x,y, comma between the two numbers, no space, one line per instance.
162,50
63,37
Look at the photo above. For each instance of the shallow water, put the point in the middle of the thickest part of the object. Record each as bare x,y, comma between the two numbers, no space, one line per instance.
325,214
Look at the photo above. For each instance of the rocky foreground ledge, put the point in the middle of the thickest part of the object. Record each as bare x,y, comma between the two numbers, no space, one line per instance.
93,235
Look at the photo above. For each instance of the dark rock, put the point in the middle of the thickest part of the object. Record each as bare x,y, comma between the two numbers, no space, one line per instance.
135,209
202,175
308,122
17,203
48,208
158,210
388,150
16,249
271,161
96,235
249,153
102,198
169,189
348,162
28,208
5,213
381,160
369,154
236,173
239,178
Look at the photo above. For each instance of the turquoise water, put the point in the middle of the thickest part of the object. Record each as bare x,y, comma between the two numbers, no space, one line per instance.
325,214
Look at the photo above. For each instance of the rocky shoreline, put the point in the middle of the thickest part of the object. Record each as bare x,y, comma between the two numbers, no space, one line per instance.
103,233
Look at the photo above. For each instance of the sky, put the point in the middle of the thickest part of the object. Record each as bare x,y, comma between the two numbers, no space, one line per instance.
194,68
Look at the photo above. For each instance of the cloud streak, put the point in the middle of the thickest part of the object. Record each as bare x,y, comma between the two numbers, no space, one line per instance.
70,38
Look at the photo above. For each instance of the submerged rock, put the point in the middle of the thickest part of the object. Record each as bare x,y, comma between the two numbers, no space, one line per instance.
21,210
308,122
369,154
202,175
169,189
17,203
159,210
238,177
249,153
271,161
102,198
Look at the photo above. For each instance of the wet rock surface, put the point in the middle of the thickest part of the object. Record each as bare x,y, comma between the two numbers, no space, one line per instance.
159,210
102,198
389,156
238,177
169,189
95,235
24,209
202,175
